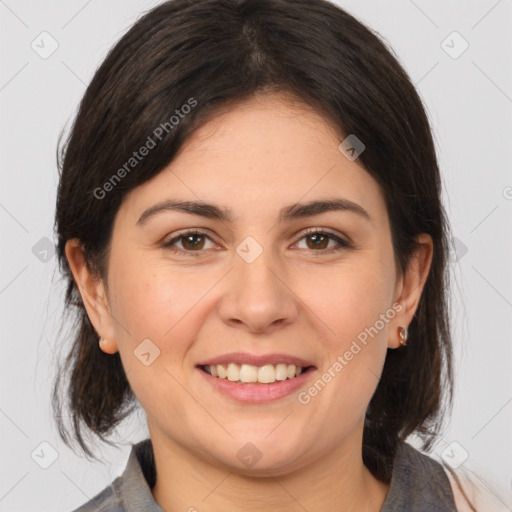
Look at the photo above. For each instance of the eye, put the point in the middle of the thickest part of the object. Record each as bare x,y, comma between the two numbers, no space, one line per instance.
192,241
318,240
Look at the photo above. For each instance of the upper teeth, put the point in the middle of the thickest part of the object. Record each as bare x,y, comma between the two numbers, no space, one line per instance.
265,374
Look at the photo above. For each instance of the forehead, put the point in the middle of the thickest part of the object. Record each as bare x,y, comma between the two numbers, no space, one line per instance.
259,155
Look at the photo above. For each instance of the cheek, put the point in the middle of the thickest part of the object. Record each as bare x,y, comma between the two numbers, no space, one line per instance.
152,313
354,317
154,302
352,300
155,313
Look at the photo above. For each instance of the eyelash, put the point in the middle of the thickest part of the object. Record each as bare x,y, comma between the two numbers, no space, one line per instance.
343,244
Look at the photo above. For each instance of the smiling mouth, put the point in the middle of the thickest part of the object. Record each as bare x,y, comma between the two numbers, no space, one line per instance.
250,374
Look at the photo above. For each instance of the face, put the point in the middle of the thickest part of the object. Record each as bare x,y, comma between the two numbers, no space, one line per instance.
268,283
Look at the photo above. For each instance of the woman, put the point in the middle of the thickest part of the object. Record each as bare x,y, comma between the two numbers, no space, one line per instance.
250,226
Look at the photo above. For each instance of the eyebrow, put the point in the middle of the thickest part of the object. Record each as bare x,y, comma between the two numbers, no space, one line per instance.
295,211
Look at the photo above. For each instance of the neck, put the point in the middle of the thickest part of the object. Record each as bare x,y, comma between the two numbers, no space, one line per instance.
337,480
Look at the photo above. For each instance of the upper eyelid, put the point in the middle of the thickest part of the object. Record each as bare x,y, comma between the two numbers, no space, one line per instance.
188,233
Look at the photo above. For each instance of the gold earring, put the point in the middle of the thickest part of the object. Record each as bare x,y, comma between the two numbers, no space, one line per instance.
402,335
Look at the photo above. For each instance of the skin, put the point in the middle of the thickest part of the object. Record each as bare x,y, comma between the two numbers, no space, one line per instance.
256,158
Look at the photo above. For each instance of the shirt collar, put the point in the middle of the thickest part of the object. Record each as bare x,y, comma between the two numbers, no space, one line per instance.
139,478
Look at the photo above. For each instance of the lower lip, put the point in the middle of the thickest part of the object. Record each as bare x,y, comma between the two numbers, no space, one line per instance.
257,393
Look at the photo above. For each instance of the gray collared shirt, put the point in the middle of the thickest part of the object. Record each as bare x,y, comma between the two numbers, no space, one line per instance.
418,484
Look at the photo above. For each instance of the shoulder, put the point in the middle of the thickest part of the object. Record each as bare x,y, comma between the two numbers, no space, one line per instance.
423,481
132,489
108,500
472,493
418,483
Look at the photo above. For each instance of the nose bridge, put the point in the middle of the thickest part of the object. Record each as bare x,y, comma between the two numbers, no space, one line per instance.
258,276
258,296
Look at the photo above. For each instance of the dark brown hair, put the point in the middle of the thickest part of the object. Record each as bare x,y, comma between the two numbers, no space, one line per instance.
217,53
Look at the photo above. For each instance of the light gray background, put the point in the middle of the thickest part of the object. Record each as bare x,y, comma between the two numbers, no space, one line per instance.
469,100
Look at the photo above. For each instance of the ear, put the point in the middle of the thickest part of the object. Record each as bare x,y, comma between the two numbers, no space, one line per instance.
410,286
93,293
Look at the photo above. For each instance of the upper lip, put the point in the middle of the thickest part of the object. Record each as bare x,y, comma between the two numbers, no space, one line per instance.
261,360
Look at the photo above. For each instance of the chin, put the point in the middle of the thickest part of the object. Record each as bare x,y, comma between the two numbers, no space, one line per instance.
263,455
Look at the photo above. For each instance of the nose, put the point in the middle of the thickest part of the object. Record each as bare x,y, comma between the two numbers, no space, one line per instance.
257,296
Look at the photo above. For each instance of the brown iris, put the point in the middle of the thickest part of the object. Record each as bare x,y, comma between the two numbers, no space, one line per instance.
322,245
188,238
